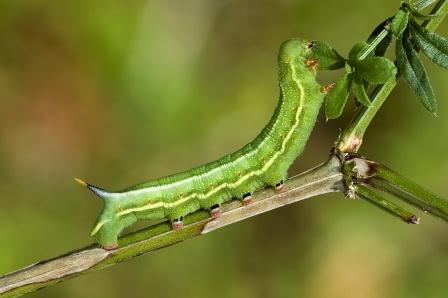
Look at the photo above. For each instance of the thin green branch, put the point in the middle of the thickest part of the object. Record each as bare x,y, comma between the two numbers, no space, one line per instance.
409,191
372,45
353,134
374,198
323,179
440,10
422,4
358,170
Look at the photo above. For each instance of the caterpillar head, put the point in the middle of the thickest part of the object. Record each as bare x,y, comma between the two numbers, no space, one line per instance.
295,48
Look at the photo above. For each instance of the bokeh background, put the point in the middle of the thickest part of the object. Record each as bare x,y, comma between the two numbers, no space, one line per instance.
117,92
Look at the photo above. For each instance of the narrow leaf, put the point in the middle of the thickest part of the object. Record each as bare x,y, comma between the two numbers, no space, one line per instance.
329,58
359,91
399,22
432,45
376,70
415,74
337,97
402,60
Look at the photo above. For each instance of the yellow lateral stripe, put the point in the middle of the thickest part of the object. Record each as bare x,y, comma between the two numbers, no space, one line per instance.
242,179
146,207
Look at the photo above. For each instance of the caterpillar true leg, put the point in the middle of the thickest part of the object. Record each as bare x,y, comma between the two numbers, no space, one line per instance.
215,211
177,224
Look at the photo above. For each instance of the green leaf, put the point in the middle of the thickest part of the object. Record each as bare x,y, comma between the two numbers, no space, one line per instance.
376,70
359,91
415,74
432,45
382,47
329,58
337,97
356,51
399,23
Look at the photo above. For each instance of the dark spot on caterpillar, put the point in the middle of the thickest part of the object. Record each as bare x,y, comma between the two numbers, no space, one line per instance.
214,207
311,44
246,195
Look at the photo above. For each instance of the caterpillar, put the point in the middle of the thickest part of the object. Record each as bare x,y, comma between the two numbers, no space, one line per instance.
262,162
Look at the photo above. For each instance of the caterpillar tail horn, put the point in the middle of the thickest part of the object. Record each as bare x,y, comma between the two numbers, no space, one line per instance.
102,193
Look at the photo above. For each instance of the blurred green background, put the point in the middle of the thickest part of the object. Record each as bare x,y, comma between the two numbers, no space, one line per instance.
117,92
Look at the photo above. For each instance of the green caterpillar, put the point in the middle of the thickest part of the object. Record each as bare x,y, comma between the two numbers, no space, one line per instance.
262,162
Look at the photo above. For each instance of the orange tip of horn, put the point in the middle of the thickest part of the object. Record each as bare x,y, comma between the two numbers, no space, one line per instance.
82,182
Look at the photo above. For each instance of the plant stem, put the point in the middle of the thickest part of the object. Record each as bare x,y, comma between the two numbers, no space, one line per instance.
372,46
440,10
323,179
419,5
412,193
353,134
372,197
359,170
